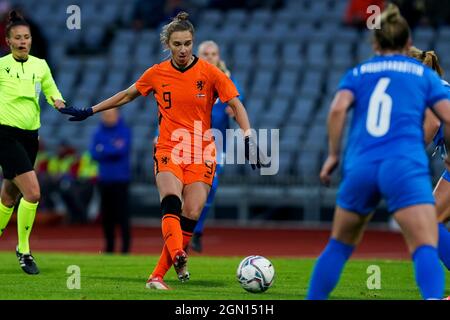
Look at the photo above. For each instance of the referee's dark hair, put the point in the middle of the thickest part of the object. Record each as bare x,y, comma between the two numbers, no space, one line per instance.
15,19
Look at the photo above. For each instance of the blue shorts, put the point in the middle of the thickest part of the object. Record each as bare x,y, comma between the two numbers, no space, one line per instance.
446,175
401,182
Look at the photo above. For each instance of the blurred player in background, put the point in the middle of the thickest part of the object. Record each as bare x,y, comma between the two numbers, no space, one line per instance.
22,78
111,147
221,113
434,131
385,157
185,88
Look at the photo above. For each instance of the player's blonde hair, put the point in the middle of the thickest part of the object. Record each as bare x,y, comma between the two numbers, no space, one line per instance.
394,31
179,23
220,64
428,58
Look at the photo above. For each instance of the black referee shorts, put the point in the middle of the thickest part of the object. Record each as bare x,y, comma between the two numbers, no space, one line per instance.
18,150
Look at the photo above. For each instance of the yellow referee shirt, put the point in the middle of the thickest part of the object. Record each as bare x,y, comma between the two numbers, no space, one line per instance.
21,83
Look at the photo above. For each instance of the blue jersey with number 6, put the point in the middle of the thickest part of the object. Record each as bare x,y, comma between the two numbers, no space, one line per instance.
385,154
391,94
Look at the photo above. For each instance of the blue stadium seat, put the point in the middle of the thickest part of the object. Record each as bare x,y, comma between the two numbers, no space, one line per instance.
277,33
66,80
143,51
287,83
307,166
303,110
285,162
312,81
109,13
242,76
423,34
301,32
346,35
267,55
255,108
334,77
284,16
442,49
91,79
115,80
341,55
316,54
364,51
211,18
251,33
236,17
291,55
260,16
443,34
262,83
97,64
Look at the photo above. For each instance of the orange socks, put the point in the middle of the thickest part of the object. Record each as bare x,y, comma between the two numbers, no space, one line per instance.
171,230
165,260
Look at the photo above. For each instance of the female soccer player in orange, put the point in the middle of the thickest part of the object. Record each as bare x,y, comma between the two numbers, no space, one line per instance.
434,132
185,88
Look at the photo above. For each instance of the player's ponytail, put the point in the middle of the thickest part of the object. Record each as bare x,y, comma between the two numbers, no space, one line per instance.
15,19
428,58
179,23
223,67
394,31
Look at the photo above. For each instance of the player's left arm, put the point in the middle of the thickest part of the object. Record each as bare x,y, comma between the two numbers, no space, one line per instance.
51,92
240,115
252,152
228,109
442,109
336,123
431,126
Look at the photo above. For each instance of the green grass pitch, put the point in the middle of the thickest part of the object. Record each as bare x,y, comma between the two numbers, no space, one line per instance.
123,277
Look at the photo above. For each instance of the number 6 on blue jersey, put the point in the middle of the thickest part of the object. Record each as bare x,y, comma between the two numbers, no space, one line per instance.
380,107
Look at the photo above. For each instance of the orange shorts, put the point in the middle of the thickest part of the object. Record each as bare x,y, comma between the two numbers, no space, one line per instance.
186,173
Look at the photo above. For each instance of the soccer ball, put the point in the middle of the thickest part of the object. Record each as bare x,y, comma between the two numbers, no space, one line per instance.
255,274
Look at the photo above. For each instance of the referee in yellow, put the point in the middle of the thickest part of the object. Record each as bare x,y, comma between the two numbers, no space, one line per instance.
22,78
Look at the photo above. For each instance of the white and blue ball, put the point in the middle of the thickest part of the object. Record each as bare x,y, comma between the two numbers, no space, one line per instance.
255,274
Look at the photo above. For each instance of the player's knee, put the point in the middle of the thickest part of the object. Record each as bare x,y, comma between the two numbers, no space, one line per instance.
33,196
171,204
192,211
8,201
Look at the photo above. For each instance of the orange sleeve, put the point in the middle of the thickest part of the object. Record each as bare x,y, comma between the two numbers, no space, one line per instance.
144,83
224,86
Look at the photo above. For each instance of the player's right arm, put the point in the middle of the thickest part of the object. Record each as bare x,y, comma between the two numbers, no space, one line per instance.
142,87
336,122
117,100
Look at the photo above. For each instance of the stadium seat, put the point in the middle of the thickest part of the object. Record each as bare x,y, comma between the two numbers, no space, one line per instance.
260,16
316,54
287,83
262,83
291,55
211,19
267,55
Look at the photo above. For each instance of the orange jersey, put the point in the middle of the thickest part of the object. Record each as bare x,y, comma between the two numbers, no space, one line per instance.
185,99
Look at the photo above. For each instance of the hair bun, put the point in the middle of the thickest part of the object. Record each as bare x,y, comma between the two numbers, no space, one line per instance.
391,14
14,16
181,16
